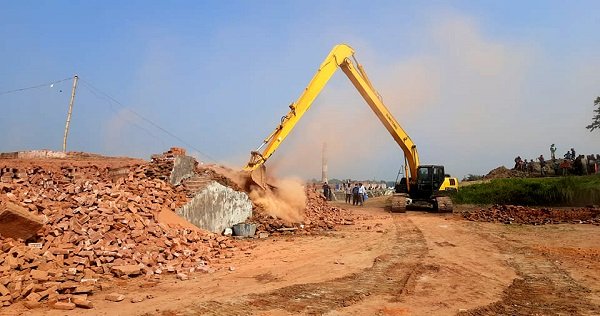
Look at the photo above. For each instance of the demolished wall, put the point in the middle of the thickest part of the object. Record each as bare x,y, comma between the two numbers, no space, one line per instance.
183,168
217,207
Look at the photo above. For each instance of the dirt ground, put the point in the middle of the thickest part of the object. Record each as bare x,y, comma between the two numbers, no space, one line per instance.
414,263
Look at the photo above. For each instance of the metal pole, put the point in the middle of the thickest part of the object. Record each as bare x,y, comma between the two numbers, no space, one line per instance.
69,113
324,163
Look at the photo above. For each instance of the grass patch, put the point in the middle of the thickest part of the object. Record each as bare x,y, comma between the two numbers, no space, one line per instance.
559,191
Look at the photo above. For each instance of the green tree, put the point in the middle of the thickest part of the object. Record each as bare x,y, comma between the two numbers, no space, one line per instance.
596,120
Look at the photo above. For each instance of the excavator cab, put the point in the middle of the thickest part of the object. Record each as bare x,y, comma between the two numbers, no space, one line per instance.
429,187
429,181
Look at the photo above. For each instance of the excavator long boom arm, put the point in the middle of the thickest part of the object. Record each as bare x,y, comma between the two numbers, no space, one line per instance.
340,57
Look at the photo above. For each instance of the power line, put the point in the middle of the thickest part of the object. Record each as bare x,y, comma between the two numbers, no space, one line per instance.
112,108
146,119
36,86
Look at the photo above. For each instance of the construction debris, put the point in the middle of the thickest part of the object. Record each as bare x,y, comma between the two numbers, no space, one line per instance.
17,222
96,230
503,172
82,224
161,165
510,214
318,216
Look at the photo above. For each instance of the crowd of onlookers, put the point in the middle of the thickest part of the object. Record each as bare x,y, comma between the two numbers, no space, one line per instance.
355,193
571,163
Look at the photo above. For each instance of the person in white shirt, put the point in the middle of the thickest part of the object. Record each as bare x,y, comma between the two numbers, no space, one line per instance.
348,193
361,193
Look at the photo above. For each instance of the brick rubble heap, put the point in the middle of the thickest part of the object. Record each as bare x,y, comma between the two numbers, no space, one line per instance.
318,216
96,229
509,214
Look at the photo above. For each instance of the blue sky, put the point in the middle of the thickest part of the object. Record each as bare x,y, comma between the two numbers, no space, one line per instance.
474,83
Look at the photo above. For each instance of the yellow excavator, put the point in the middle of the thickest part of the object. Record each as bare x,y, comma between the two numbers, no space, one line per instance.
423,183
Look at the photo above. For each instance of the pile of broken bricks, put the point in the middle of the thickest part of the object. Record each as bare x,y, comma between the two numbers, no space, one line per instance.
161,165
66,232
63,236
318,216
322,215
514,214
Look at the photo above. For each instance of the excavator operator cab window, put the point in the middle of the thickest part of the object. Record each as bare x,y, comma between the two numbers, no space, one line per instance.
438,176
424,174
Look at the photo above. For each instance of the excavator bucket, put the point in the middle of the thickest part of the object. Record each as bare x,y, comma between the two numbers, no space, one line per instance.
259,177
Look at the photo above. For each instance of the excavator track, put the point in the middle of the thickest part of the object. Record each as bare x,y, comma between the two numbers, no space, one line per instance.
444,204
398,203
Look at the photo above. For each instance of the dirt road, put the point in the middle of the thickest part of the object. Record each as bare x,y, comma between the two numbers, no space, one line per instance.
387,264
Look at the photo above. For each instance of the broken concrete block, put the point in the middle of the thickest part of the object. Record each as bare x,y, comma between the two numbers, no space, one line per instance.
217,207
17,222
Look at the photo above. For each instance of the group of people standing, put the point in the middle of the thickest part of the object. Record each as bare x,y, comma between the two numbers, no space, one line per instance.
358,193
527,166
572,163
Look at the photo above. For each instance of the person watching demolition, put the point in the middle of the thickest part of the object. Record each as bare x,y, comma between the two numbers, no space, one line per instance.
361,193
552,151
355,194
348,190
542,165
326,191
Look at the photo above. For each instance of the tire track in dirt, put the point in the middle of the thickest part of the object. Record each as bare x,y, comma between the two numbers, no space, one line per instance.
542,288
391,275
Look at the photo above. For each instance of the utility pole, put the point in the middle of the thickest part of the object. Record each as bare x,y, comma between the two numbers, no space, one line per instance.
324,163
75,79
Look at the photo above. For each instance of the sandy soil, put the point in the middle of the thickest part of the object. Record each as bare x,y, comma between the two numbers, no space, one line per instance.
387,264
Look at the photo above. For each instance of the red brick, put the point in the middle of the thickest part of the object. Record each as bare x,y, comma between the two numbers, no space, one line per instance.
34,297
129,270
82,302
32,305
4,290
114,297
39,275
63,306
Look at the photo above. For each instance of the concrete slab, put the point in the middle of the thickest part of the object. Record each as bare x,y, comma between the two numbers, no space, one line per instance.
217,207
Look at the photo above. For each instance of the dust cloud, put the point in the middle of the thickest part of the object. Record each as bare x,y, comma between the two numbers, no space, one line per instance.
286,202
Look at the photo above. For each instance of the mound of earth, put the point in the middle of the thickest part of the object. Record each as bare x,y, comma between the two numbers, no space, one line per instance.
503,172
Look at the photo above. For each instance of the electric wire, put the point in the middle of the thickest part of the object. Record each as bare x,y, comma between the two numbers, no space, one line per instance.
109,97
36,86
112,108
